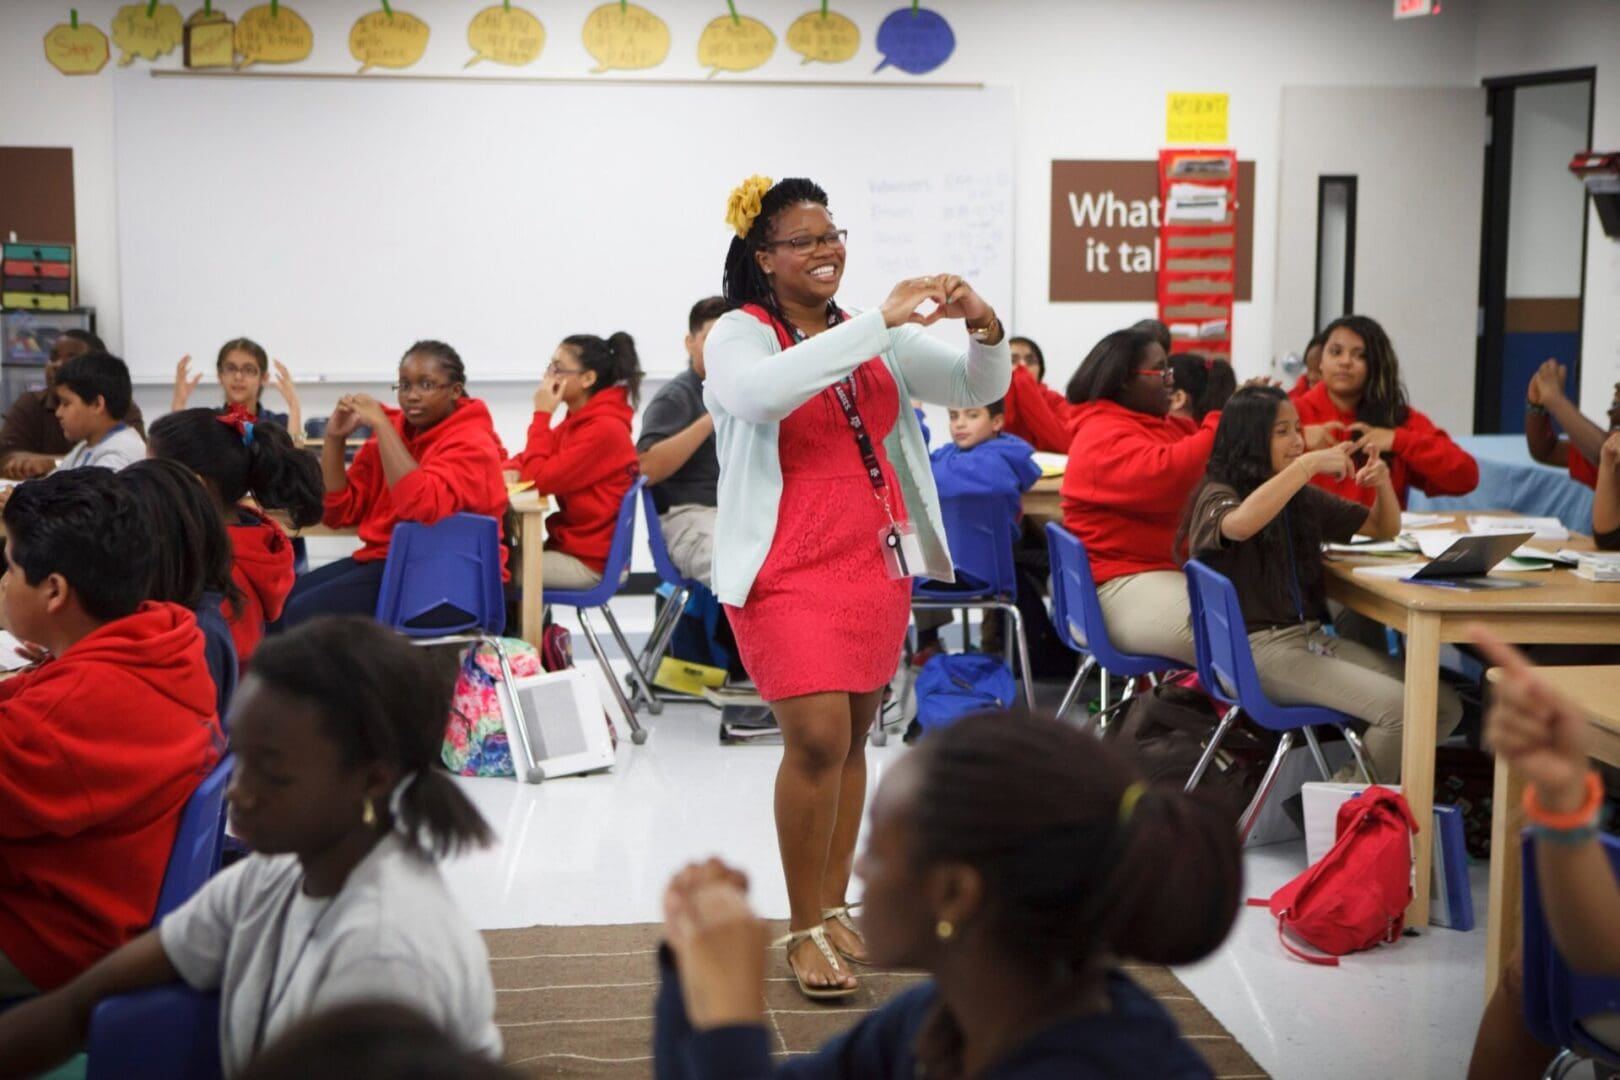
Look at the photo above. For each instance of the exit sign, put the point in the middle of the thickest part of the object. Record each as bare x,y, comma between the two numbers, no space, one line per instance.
1412,9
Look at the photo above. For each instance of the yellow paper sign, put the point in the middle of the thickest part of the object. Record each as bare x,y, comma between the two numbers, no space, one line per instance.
273,33
76,48
506,35
825,36
1195,118
735,43
210,40
387,38
626,36
146,30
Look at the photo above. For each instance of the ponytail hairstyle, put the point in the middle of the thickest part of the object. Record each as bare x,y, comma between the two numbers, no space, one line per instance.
1383,399
261,359
1083,860
237,455
192,552
1207,383
613,359
380,699
744,282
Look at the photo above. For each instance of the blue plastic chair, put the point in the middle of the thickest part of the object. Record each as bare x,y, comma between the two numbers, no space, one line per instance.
597,598
1563,1008
198,841
681,589
163,1033
1226,669
981,545
1077,615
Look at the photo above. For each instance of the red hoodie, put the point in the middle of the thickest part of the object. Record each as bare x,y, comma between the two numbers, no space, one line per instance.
1038,414
458,469
1127,483
99,751
1424,455
262,568
586,463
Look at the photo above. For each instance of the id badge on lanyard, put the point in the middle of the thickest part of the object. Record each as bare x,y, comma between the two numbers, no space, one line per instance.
897,541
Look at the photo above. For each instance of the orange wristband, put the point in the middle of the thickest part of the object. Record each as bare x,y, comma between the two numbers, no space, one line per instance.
1579,818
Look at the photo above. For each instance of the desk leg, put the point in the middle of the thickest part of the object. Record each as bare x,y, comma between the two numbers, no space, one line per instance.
1417,751
533,544
1504,913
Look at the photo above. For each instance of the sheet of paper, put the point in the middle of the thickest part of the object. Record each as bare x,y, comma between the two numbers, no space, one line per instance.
1544,528
1051,464
9,659
1411,520
1397,571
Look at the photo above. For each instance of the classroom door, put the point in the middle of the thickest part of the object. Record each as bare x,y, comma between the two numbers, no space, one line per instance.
1378,211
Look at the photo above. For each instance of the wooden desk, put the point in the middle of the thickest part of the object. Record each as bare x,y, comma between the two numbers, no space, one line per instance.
1043,501
1562,610
1596,690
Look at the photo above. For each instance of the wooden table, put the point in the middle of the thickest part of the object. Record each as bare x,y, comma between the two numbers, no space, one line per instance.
1597,691
1043,501
1562,610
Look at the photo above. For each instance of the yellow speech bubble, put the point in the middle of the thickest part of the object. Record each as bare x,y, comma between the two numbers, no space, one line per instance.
506,35
273,34
825,36
147,30
76,48
735,43
388,38
625,35
210,39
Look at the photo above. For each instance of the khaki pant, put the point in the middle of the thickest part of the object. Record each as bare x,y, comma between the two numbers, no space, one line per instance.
689,536
1148,613
1303,665
560,571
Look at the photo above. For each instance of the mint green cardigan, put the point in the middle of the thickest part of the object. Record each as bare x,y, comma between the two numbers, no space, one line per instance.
753,384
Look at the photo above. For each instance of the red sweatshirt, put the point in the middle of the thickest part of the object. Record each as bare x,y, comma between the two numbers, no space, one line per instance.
1127,483
262,568
586,463
458,469
1300,388
99,751
1038,414
1424,455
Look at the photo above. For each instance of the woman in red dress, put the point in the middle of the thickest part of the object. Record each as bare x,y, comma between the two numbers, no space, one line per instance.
826,508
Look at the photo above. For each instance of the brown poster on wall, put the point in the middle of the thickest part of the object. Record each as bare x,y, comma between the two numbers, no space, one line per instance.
36,194
1105,230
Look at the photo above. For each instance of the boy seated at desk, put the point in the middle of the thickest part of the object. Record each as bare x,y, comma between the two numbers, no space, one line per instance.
31,440
979,460
103,742
92,393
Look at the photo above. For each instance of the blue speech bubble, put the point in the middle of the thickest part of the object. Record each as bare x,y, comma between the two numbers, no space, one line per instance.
915,40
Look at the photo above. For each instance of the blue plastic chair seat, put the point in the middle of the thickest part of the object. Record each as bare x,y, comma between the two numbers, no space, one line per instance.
163,1033
1077,613
198,841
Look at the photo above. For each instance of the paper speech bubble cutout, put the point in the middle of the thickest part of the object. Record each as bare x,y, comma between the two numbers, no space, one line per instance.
147,30
825,36
735,43
916,40
625,36
387,38
505,34
273,34
76,48
209,40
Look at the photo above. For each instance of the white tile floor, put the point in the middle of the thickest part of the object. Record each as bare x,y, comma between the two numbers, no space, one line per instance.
598,849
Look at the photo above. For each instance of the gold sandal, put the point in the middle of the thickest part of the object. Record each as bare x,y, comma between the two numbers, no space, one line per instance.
818,935
840,915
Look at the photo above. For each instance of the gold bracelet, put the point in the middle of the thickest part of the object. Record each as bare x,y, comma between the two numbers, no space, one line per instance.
983,333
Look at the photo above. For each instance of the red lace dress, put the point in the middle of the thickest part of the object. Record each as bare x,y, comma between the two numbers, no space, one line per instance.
823,615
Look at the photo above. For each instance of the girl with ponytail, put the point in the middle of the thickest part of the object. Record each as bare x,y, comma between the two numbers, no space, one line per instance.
248,467
588,461
336,789
1019,863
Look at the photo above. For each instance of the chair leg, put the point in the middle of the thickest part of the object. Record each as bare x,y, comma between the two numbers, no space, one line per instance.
1076,685
1363,762
517,732
637,734
664,625
1016,619
1208,755
1246,822
1561,1065
639,682
1316,753
1102,696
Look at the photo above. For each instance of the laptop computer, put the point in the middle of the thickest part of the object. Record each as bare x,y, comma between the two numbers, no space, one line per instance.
1465,564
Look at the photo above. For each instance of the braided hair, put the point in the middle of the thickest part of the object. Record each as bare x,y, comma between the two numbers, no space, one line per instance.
744,282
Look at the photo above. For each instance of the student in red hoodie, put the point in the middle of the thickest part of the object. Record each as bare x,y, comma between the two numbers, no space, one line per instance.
1034,411
588,461
1131,468
248,468
103,743
1361,398
435,455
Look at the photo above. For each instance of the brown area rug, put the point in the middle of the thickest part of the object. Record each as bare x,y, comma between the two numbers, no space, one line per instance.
577,1001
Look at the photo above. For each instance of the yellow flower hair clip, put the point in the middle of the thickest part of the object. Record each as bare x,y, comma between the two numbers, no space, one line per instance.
743,206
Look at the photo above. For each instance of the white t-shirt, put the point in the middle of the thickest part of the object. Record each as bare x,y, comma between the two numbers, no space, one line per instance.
121,446
392,934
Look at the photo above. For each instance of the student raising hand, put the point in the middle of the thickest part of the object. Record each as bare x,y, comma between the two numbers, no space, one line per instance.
184,383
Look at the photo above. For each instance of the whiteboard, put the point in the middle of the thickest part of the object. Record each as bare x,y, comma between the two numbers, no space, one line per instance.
337,220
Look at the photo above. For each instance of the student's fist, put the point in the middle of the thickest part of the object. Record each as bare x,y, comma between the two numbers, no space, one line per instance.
1547,385
548,395
1333,461
1611,450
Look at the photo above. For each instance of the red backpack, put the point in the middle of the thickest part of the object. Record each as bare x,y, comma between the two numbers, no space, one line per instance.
1355,896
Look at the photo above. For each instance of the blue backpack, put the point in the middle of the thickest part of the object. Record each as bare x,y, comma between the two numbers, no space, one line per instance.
954,685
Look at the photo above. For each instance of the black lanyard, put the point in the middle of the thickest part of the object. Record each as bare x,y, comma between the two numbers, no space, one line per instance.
844,391
1293,568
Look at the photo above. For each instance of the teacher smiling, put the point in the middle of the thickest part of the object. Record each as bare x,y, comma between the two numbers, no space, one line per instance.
826,510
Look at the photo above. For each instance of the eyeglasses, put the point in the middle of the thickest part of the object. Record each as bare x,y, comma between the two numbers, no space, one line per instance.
1163,374
422,386
805,245
231,369
553,369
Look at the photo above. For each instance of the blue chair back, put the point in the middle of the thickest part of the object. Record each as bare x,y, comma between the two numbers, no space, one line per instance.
618,559
1077,613
662,563
198,840
1559,1002
455,562
163,1033
981,542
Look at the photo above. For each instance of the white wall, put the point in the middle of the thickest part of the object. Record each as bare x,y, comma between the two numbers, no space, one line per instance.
1548,208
